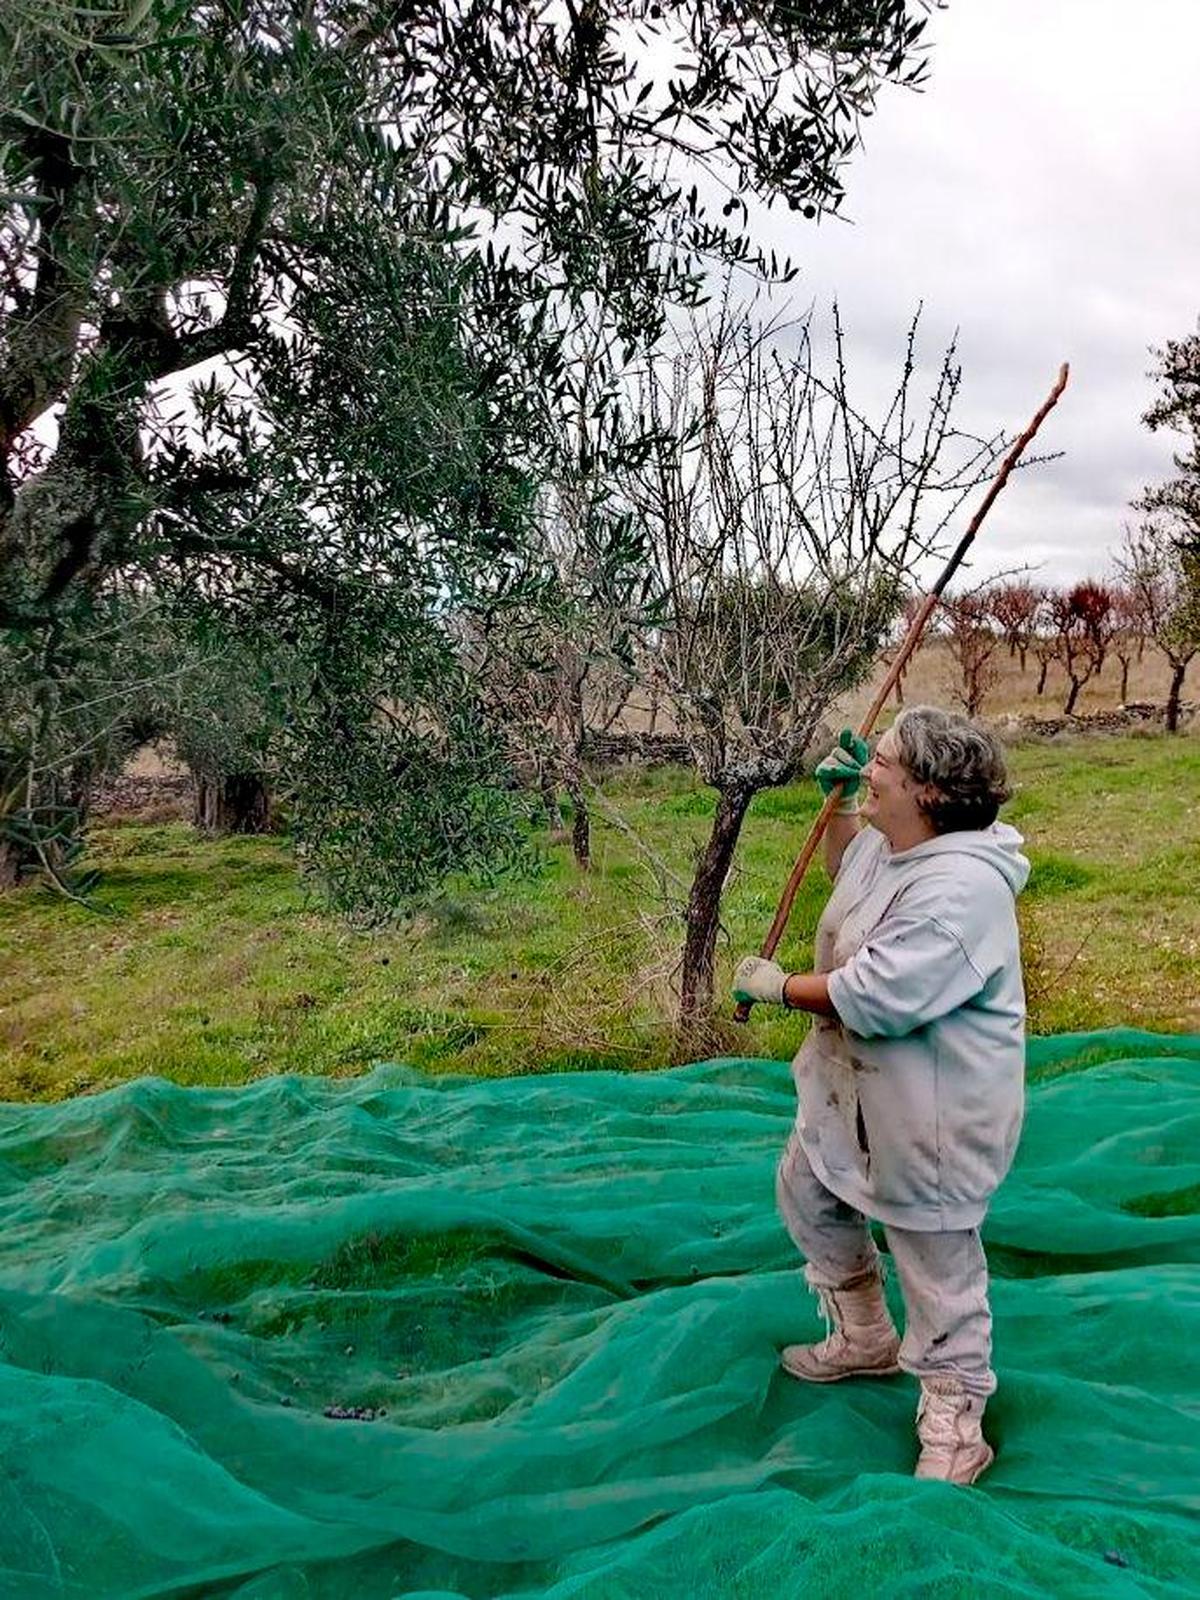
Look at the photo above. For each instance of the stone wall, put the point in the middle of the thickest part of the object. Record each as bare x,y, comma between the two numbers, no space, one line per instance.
1136,714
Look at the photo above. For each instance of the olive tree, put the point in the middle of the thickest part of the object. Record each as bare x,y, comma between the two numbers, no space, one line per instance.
74,705
287,292
1162,578
1175,504
1162,558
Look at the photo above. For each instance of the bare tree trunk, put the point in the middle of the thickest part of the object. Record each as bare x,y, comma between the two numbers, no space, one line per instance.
1178,670
11,864
1124,679
22,861
1041,683
236,802
617,707
581,825
81,781
704,907
19,860
549,794
1076,685
1022,652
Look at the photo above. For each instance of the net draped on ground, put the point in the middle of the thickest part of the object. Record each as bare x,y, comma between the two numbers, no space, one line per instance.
399,1336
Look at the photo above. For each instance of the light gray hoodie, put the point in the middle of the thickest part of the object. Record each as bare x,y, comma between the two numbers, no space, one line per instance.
911,1103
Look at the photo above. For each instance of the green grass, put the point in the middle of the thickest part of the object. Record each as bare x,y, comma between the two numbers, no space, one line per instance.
206,961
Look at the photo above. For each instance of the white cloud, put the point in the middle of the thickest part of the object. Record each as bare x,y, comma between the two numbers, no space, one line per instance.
1039,197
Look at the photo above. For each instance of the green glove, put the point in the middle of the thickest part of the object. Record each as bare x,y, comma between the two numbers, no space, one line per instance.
756,979
844,764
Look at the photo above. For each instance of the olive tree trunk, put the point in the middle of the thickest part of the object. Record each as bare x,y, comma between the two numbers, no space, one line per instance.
704,908
12,863
19,859
549,795
1174,694
1124,660
236,802
581,825
581,822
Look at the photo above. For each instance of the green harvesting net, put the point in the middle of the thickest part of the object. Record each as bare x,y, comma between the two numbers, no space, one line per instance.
399,1336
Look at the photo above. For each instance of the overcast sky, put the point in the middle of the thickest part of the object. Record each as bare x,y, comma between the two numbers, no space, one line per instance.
1041,196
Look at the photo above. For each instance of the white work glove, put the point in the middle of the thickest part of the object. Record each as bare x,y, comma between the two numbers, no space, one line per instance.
756,979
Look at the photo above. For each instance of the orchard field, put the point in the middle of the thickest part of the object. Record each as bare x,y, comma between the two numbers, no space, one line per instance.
934,678
205,961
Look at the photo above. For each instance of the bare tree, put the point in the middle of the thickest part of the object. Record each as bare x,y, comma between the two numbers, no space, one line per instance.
1084,621
1164,575
1043,637
557,664
1129,636
973,640
534,690
782,527
1014,606
896,637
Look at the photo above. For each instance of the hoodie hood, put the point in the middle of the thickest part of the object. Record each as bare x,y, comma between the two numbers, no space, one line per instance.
998,845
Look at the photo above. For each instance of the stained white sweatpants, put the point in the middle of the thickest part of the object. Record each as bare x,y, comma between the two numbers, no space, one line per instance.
943,1276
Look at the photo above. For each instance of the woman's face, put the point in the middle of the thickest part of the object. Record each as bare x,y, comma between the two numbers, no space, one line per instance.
891,798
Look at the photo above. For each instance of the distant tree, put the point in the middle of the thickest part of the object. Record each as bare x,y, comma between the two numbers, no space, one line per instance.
1083,620
225,722
973,638
1014,604
1163,576
72,708
1175,504
896,636
1165,551
782,527
559,668
1130,632
1043,636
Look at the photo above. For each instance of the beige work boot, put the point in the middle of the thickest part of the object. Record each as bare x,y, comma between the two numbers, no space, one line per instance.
950,1430
862,1339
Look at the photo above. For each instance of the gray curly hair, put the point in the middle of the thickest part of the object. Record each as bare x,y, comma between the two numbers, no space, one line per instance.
961,762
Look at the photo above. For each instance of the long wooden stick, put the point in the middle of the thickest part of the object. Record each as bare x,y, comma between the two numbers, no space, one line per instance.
911,640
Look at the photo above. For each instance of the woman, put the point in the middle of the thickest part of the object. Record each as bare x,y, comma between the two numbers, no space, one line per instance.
911,1080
